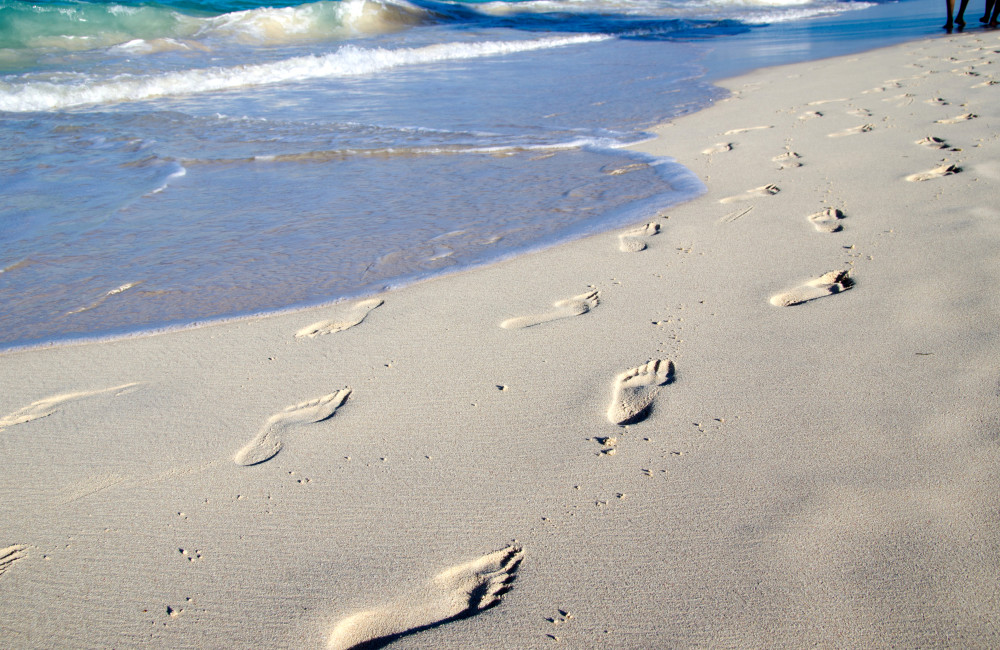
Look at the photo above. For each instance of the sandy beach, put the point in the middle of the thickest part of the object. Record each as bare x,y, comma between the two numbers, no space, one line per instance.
767,418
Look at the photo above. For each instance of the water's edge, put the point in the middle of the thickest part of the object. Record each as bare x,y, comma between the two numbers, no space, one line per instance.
723,58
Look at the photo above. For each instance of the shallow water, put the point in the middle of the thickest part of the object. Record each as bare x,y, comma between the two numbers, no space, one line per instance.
181,162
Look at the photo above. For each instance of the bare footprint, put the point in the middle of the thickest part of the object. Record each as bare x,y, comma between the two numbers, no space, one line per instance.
825,285
763,190
957,119
828,220
901,100
49,405
944,170
459,592
932,143
618,171
747,130
721,147
632,241
267,443
10,555
854,130
575,306
636,388
787,160
349,318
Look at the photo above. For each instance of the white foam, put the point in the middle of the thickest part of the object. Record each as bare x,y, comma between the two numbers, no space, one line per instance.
348,61
179,172
803,13
313,21
122,10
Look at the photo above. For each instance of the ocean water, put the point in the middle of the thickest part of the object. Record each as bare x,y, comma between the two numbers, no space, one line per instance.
173,162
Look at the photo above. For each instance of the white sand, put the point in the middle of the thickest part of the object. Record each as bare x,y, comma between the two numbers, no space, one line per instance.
818,474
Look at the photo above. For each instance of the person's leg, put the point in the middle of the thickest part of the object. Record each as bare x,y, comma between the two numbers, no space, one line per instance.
960,18
950,6
988,11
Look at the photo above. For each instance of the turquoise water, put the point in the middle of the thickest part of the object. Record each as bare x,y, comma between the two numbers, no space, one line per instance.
177,162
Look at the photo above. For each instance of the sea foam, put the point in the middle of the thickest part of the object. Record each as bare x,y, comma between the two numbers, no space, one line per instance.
347,61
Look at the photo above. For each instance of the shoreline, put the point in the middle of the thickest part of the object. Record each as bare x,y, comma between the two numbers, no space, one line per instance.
110,322
682,180
620,441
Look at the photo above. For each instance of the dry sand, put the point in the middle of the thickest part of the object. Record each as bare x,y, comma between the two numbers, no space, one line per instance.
767,419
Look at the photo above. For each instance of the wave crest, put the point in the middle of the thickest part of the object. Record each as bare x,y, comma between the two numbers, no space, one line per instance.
316,21
88,26
347,61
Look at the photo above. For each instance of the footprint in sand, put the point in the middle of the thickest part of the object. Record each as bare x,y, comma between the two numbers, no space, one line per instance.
10,555
957,119
747,130
575,306
50,405
721,147
932,143
937,172
636,388
901,100
854,130
267,443
633,240
763,190
459,592
349,318
810,115
787,160
825,285
618,171
828,220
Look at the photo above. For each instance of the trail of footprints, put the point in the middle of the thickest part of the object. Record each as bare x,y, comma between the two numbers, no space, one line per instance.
469,588
830,220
